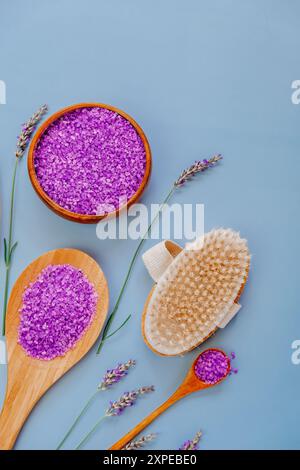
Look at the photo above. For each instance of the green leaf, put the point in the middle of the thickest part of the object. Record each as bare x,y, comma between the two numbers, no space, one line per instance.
5,251
121,326
12,250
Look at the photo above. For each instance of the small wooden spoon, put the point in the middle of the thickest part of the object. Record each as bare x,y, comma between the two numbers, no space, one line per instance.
190,384
29,378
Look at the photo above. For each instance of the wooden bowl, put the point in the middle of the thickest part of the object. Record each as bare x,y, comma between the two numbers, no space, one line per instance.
85,218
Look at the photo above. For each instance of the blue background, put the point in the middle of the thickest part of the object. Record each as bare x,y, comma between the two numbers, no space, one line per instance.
200,77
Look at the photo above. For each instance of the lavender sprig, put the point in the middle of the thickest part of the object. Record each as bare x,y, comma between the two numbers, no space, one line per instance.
192,444
127,400
111,377
197,167
27,130
9,246
116,408
140,442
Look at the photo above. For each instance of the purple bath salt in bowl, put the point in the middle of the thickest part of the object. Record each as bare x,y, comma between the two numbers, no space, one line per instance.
212,366
56,311
90,161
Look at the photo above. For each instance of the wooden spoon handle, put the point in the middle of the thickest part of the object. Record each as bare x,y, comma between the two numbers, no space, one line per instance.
14,413
121,443
21,397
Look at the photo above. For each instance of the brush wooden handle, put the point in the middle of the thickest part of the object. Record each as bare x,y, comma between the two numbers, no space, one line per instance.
180,393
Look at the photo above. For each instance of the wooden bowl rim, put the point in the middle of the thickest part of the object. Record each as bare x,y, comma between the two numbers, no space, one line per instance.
85,218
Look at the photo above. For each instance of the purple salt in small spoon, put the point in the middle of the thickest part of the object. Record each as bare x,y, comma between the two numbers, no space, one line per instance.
209,369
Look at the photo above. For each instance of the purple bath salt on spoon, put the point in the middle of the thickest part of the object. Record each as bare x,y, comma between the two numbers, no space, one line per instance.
90,161
212,366
56,311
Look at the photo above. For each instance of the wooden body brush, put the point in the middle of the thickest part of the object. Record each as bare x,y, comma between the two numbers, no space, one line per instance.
30,378
196,292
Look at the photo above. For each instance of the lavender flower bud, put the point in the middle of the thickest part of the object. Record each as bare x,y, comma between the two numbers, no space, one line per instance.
113,376
127,400
197,167
192,444
141,442
27,130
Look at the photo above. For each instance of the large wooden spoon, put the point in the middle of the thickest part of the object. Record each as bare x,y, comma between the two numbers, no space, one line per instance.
29,378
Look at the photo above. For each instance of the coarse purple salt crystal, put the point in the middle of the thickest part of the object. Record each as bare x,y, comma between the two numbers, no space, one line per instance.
56,311
212,366
89,160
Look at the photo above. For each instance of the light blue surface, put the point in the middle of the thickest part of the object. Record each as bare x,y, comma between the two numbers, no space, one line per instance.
200,77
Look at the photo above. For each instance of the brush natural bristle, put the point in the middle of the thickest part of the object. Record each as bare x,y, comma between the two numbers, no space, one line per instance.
196,292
